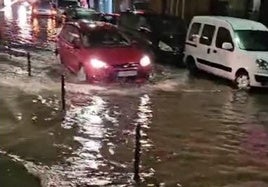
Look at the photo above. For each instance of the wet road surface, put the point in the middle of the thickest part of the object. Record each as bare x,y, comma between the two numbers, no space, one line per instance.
196,131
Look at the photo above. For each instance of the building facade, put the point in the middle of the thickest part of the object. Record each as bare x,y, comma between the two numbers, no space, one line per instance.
186,9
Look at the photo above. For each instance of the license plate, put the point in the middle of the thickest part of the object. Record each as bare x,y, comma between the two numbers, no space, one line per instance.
127,73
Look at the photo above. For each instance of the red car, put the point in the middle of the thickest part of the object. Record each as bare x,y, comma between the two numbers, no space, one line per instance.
98,51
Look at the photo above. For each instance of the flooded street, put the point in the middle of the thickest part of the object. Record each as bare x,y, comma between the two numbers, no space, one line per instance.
195,131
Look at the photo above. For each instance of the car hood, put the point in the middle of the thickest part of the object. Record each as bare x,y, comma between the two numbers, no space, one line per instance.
44,9
259,55
173,40
116,55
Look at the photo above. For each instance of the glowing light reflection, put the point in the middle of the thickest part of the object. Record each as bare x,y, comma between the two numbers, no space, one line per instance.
35,27
145,111
22,22
51,28
91,132
8,12
7,3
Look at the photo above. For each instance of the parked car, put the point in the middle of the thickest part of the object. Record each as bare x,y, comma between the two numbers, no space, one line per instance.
140,6
63,4
233,48
164,34
43,8
78,13
110,18
98,51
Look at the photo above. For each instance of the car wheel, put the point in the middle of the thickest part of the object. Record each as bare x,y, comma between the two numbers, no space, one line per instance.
242,80
190,63
81,75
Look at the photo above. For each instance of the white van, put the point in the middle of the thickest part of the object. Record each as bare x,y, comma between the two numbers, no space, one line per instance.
233,48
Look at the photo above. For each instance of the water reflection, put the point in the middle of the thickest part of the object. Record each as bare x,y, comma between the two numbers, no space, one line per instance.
35,26
145,111
23,23
51,29
145,114
19,28
8,13
44,29
90,116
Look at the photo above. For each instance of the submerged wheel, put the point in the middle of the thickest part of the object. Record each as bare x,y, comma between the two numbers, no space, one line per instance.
191,66
242,80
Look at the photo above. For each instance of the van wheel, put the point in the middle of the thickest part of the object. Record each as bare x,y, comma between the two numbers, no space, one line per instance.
190,63
81,75
242,80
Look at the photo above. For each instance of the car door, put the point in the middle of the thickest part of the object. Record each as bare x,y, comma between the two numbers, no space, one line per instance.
74,48
192,39
63,44
224,57
205,57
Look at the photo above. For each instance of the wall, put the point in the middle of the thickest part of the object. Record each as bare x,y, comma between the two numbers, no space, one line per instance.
156,5
189,9
1,3
263,12
238,8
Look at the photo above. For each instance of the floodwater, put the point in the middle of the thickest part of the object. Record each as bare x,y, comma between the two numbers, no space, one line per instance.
195,131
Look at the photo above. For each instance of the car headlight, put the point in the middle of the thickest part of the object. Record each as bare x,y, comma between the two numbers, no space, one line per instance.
98,64
164,47
145,61
34,11
262,64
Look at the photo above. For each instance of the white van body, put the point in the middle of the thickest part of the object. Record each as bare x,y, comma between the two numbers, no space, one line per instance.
228,47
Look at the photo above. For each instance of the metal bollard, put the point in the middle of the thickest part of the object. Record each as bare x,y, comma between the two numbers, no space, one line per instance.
29,64
63,93
137,154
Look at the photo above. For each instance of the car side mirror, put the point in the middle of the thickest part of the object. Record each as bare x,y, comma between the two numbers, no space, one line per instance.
195,38
144,29
134,41
227,46
76,43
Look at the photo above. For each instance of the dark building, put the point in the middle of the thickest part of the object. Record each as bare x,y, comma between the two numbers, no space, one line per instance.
263,15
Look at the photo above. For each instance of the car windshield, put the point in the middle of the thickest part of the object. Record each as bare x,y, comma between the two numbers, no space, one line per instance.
105,38
89,15
141,6
167,25
252,40
64,4
44,5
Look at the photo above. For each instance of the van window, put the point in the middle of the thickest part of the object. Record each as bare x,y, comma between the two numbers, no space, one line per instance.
143,22
194,31
223,35
129,21
207,34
